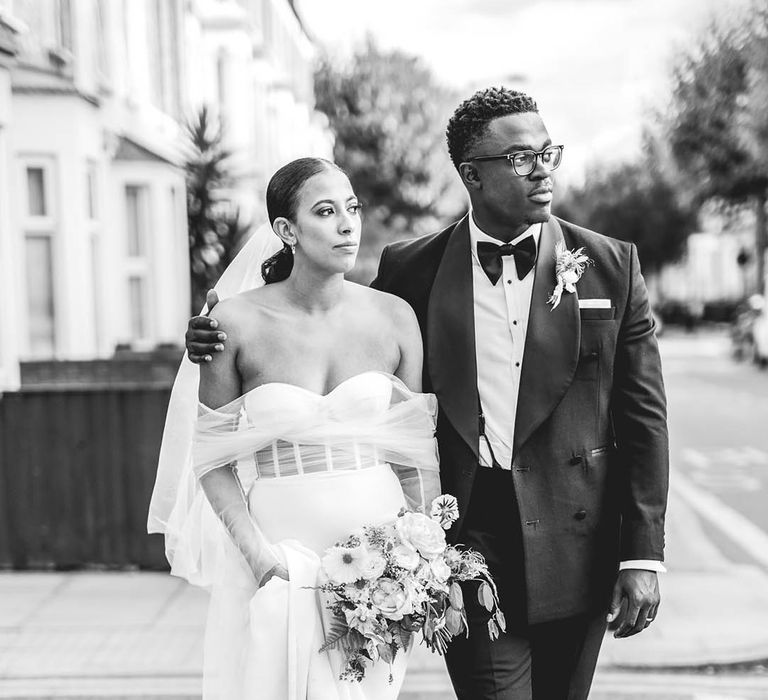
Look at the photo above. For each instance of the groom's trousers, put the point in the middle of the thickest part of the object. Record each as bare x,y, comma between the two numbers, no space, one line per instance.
549,661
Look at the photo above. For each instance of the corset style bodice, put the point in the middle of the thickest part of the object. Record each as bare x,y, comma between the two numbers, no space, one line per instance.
363,396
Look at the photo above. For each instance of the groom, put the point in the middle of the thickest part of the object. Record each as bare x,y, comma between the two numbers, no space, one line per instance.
552,423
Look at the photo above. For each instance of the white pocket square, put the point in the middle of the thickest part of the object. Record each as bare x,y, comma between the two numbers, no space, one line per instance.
594,303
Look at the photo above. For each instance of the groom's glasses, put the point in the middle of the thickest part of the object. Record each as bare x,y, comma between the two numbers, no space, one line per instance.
524,162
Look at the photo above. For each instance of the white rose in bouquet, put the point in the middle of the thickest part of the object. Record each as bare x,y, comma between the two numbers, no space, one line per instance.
422,533
373,566
391,599
406,557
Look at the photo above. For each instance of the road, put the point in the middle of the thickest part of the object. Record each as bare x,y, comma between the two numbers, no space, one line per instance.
718,412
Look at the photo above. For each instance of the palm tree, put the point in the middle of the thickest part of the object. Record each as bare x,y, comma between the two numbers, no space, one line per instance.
214,225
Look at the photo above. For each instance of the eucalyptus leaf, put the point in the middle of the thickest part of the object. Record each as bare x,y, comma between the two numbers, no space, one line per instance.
493,630
485,596
385,653
456,596
454,621
404,637
501,621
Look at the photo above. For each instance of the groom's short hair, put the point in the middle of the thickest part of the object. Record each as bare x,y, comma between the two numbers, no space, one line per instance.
471,118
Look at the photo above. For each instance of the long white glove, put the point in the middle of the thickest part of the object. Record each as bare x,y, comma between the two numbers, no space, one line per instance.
226,497
420,486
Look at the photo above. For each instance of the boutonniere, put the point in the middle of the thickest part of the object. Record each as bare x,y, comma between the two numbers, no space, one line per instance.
569,267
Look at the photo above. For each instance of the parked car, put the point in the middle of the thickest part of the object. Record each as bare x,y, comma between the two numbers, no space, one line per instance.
743,327
760,338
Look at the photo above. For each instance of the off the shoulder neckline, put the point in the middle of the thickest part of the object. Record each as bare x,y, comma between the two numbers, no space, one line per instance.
391,377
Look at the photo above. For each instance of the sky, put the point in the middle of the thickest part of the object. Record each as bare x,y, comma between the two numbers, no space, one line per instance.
595,67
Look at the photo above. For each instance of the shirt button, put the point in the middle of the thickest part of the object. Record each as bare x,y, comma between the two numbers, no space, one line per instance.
517,364
514,323
509,281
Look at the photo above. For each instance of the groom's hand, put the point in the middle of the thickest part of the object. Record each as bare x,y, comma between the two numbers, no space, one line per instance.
202,339
635,601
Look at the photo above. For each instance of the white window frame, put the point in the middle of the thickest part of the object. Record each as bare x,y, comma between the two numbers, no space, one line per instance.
139,265
46,222
45,226
95,250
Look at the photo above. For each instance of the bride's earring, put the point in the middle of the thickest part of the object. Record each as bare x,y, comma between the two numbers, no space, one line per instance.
293,248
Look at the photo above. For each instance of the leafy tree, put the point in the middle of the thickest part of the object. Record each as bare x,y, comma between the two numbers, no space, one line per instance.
635,202
215,229
389,116
717,126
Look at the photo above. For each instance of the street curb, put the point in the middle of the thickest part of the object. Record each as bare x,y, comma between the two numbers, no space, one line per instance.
759,666
428,685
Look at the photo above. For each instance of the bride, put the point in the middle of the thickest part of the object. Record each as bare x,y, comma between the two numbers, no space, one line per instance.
310,424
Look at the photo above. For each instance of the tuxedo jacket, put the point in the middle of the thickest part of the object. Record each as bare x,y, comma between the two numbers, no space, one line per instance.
590,453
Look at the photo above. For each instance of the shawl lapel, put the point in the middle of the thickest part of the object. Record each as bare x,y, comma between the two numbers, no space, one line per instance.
552,343
451,354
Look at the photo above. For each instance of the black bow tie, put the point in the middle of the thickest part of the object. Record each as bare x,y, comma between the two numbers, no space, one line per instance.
490,257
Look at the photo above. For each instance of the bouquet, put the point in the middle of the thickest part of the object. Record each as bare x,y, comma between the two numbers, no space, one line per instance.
388,582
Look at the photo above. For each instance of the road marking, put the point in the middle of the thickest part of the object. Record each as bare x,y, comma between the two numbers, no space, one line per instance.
695,458
737,527
732,482
696,686
727,468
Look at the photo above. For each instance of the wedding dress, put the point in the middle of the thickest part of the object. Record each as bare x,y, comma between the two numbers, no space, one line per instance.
313,469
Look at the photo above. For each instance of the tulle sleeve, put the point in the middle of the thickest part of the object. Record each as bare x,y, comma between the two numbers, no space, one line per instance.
401,435
178,508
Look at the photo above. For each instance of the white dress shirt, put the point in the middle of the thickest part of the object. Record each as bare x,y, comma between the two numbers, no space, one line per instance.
501,324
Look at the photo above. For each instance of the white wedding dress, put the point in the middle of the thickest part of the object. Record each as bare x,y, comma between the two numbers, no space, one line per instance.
314,469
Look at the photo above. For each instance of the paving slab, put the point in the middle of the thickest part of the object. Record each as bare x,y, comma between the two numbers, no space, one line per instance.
139,634
23,594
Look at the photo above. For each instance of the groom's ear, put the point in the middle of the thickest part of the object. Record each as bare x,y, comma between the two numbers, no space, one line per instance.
470,176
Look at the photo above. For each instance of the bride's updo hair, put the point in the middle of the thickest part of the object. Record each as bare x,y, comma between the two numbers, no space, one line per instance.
282,198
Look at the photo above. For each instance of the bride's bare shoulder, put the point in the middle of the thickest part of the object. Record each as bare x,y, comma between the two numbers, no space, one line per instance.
389,305
235,311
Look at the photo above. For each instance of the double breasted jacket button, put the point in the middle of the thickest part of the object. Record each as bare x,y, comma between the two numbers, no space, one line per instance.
580,514
576,459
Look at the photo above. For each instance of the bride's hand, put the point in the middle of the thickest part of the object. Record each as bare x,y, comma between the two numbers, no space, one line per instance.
270,564
277,570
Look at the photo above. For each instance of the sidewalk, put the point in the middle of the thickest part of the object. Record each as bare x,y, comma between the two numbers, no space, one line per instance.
129,635
139,635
